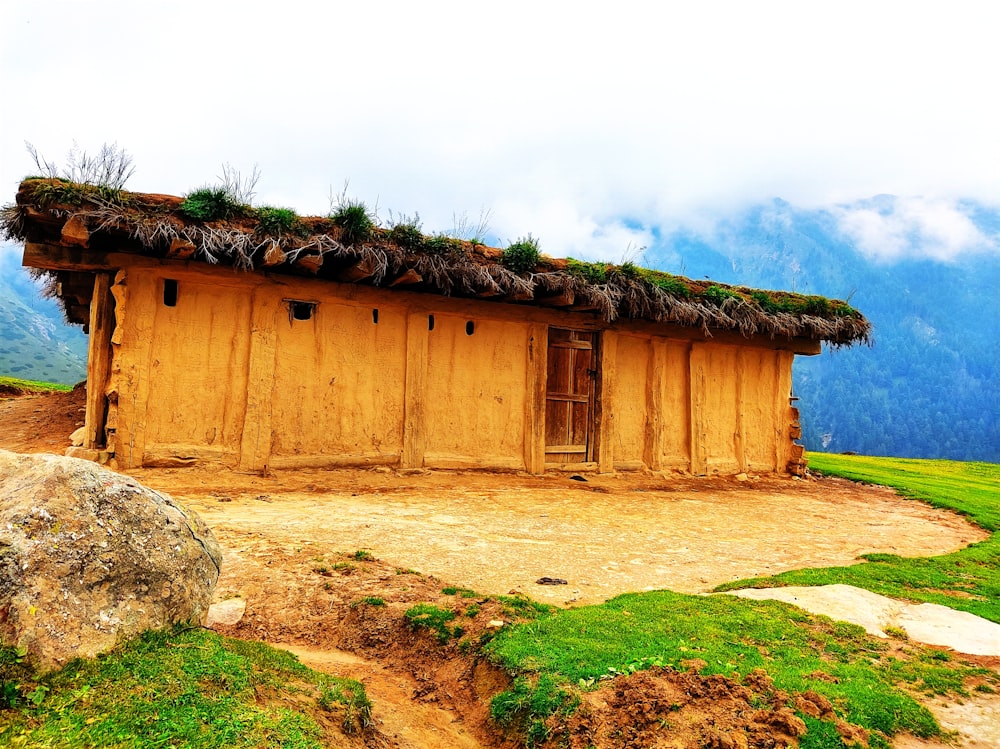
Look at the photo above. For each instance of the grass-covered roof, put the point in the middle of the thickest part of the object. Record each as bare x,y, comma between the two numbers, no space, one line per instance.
347,246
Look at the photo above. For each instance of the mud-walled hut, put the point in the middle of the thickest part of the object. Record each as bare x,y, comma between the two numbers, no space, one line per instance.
257,339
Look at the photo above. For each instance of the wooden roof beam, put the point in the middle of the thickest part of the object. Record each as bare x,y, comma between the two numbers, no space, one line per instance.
564,298
408,278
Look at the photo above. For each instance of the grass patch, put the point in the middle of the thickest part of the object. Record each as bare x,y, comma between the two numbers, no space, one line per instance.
435,619
406,232
15,385
185,688
967,580
356,222
277,221
730,636
462,592
213,204
521,256
594,273
442,244
560,651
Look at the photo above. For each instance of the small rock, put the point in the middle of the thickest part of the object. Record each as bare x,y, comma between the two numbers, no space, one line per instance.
83,453
495,623
76,439
742,477
226,613
550,581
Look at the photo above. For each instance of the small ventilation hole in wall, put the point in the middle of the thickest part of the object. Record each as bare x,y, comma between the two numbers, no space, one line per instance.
169,292
375,316
470,327
430,322
302,310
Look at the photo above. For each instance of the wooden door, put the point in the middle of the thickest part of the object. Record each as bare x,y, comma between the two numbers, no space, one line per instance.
569,396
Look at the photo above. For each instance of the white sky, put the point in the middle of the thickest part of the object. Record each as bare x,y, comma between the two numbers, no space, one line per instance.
587,125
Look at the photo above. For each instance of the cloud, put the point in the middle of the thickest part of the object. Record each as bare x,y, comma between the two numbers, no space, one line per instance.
888,228
543,112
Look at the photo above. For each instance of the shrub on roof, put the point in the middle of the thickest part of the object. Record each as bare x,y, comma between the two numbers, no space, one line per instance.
595,273
718,295
212,204
521,256
354,219
442,244
406,232
277,221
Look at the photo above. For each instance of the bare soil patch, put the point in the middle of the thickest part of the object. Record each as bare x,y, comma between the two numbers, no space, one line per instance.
289,542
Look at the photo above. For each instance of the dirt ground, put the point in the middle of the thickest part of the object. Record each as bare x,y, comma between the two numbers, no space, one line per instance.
290,541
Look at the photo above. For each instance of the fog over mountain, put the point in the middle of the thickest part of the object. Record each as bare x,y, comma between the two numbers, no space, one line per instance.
926,275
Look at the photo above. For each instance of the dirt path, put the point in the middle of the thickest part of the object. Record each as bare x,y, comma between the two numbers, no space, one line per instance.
422,725
496,533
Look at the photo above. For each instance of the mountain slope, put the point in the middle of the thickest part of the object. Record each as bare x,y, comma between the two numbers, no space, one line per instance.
35,344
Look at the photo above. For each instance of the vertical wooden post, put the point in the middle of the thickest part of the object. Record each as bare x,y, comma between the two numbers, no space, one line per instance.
606,402
656,374
534,400
699,462
102,319
741,375
255,443
415,392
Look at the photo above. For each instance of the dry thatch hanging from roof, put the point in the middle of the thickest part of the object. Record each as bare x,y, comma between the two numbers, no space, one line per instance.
57,212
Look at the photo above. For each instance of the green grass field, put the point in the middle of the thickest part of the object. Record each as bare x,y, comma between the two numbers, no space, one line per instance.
32,386
968,580
181,688
558,655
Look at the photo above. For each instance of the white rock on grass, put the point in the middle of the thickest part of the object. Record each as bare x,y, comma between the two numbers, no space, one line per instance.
928,623
89,557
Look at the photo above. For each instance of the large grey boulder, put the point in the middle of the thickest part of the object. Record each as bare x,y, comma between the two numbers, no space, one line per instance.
89,557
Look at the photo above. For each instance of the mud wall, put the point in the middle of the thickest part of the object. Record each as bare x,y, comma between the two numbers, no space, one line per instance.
629,421
254,372
173,370
475,393
338,384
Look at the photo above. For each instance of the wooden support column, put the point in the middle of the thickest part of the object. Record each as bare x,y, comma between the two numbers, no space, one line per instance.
102,323
743,401
255,444
415,393
606,406
534,402
655,422
699,461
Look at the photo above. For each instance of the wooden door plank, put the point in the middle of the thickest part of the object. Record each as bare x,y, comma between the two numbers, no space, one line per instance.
535,404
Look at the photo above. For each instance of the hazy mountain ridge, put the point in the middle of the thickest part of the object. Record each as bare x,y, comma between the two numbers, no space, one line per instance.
929,387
